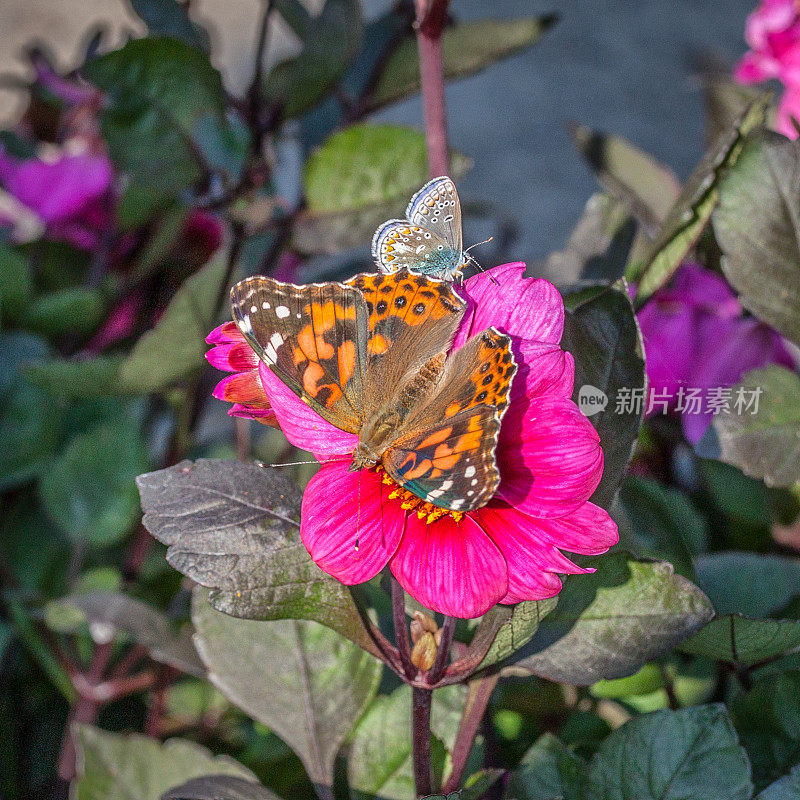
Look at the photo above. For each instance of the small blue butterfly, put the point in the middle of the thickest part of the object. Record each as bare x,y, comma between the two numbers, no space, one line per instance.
429,240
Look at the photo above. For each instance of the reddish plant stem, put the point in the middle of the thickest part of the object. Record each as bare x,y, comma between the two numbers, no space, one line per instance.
437,670
421,700
431,16
158,701
478,696
83,710
401,628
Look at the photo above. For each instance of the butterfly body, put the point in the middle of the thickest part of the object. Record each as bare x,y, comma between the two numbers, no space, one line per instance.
370,357
430,239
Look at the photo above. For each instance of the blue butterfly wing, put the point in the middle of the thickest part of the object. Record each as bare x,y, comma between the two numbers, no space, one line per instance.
436,207
399,243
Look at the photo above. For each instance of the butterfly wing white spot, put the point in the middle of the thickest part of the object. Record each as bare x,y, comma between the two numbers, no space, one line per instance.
469,472
281,312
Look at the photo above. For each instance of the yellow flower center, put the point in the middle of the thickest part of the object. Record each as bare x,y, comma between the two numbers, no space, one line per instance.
408,501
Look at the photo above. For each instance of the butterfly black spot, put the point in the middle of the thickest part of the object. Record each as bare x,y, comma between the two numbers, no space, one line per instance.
370,306
427,293
484,367
386,288
506,357
400,302
382,306
487,380
419,308
481,397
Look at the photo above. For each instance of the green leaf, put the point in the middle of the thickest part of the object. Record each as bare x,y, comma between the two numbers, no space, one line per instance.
766,444
331,41
742,640
757,225
764,583
736,495
165,115
358,178
89,491
176,346
768,721
143,623
609,623
365,165
601,332
75,310
75,379
628,174
548,770
787,788
691,212
505,629
113,766
662,523
467,48
219,787
16,283
379,760
30,425
170,18
725,100
691,754
303,680
234,527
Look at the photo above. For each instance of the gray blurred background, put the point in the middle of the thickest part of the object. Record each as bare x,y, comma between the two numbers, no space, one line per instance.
624,66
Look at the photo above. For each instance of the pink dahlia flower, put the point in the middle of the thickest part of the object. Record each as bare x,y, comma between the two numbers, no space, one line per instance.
548,454
696,336
773,33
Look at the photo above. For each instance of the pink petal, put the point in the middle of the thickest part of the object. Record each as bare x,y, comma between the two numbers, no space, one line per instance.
236,357
224,334
542,370
754,68
549,457
451,567
266,416
242,387
530,546
303,427
788,108
342,508
530,308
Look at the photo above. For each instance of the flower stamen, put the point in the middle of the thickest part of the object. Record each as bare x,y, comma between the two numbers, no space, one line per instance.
409,501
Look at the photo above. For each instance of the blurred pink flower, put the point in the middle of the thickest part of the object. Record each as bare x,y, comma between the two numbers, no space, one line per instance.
202,235
696,336
548,453
120,324
70,194
773,33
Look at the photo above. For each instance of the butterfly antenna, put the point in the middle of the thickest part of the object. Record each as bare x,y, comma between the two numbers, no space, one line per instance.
475,262
311,461
477,244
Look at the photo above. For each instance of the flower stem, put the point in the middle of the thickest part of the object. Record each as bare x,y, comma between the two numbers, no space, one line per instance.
479,692
431,16
437,670
401,628
421,725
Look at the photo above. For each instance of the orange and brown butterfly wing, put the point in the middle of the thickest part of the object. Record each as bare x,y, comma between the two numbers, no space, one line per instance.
313,338
445,453
414,315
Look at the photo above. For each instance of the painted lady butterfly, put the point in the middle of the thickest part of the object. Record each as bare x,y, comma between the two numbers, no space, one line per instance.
370,357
